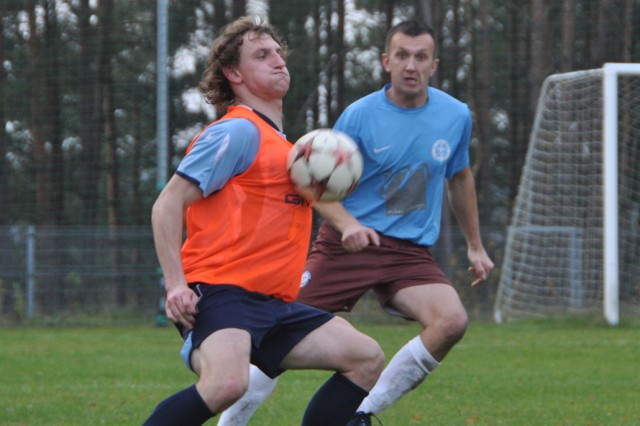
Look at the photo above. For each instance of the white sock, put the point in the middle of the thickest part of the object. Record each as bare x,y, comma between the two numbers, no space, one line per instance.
260,387
406,370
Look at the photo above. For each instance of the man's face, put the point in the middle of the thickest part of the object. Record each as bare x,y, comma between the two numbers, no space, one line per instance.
262,67
410,62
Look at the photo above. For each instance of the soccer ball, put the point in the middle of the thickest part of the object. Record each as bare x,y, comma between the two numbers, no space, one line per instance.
325,165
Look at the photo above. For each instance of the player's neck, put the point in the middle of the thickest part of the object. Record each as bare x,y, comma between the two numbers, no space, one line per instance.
271,109
404,100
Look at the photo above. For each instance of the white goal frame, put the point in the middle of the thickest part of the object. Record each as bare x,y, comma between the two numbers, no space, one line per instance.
610,73
610,184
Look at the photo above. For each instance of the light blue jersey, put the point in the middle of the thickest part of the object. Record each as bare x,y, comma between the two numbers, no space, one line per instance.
408,153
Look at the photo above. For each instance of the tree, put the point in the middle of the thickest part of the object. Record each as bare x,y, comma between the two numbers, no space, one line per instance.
239,9
597,42
53,112
4,137
340,60
518,105
426,11
107,102
539,47
627,31
568,34
89,119
112,176
483,111
37,119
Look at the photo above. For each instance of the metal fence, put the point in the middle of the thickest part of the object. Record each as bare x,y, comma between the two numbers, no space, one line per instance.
95,275
77,274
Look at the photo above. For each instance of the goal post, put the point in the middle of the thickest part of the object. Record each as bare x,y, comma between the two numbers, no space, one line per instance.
573,244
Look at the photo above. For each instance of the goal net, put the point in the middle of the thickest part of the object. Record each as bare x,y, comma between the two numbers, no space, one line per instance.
573,246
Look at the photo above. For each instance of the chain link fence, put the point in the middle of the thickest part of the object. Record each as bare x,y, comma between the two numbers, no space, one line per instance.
78,274
97,275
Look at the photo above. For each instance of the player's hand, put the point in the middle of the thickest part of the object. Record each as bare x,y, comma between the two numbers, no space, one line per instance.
358,237
181,306
481,266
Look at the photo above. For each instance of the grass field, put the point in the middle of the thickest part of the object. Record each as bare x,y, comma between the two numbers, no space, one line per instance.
551,372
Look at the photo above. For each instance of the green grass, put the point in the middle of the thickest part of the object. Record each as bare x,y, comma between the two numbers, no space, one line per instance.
552,372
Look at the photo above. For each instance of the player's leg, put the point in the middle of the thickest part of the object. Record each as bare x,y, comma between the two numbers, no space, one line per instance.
218,350
330,282
338,346
439,310
260,387
222,364
357,360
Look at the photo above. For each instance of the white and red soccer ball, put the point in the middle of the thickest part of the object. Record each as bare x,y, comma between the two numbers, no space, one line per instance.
325,165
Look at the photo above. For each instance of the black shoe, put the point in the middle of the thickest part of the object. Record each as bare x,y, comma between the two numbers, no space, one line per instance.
362,419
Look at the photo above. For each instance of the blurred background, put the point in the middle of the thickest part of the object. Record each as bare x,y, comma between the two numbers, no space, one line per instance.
98,101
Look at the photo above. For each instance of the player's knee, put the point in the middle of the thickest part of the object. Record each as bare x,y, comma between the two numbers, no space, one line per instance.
371,363
453,325
221,393
375,358
377,363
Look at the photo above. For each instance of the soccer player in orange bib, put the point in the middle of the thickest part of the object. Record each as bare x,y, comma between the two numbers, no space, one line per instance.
231,285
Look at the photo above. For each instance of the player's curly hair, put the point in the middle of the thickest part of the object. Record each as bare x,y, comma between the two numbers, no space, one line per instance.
225,53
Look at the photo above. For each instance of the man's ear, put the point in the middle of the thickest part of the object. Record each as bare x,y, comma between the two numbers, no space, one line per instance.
434,67
232,74
384,60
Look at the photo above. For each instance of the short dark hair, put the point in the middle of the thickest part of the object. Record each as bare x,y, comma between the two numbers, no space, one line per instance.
411,28
225,53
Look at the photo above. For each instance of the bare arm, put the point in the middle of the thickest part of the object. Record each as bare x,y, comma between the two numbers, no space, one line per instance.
355,237
464,204
167,218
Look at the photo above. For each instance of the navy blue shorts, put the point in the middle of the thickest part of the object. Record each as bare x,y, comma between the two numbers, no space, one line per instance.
275,326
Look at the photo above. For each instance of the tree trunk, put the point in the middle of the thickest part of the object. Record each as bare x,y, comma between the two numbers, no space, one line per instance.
568,34
389,5
54,113
7,297
425,9
109,124
36,120
519,108
137,213
105,28
484,100
330,69
239,9
539,48
4,137
627,31
89,120
482,169
316,66
340,54
598,33
219,19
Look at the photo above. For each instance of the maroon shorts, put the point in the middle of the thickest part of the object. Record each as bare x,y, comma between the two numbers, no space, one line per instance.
334,279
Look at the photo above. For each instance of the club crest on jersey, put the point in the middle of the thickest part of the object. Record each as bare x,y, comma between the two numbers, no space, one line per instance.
306,278
441,151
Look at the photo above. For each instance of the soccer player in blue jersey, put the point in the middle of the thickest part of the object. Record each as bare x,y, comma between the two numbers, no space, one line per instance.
415,143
